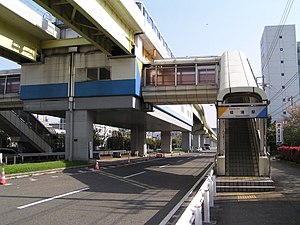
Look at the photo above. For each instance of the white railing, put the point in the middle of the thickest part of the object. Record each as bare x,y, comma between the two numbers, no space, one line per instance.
203,200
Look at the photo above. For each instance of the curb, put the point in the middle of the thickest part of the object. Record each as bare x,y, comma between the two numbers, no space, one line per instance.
41,172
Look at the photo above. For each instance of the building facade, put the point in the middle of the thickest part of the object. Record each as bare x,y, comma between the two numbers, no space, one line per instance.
279,64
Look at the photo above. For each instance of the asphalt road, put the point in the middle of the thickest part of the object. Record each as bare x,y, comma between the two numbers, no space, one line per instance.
142,193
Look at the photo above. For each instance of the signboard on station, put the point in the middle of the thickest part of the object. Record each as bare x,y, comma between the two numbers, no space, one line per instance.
279,134
233,112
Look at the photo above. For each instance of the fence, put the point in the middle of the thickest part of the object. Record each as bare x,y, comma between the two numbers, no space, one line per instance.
203,200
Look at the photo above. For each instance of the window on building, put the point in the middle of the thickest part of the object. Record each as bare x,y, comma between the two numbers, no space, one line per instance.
98,73
104,73
92,73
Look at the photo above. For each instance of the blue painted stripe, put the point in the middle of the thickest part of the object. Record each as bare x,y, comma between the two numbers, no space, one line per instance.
44,91
106,88
82,89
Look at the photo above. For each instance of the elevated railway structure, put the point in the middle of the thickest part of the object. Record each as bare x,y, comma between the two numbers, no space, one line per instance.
107,62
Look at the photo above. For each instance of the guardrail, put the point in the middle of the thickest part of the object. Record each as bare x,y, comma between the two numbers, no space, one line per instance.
57,155
203,200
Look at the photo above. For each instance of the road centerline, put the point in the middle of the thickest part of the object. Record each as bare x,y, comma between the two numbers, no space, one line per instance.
135,174
52,198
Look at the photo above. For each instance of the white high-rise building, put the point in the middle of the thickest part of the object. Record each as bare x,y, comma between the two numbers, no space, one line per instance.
279,63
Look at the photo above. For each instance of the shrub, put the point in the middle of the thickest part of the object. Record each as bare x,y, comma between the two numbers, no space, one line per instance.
291,153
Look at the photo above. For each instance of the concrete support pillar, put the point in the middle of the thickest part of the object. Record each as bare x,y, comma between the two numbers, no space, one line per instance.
138,140
79,135
221,137
186,140
196,141
202,140
166,142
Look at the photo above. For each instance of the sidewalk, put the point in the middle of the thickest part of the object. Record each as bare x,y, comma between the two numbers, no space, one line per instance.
109,160
280,207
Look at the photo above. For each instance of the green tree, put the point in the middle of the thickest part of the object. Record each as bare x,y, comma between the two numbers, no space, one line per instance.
98,139
153,143
117,141
291,128
59,143
176,141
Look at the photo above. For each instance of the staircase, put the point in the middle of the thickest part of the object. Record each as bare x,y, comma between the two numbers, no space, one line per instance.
27,129
241,148
244,184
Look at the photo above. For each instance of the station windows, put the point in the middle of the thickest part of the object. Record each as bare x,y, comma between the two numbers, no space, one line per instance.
98,73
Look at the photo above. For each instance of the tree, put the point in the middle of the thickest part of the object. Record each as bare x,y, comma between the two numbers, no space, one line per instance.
176,139
118,141
291,128
59,143
153,143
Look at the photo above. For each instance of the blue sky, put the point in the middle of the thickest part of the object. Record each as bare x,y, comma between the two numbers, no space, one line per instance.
200,28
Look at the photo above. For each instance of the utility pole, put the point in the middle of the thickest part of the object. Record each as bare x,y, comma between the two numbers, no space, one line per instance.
292,100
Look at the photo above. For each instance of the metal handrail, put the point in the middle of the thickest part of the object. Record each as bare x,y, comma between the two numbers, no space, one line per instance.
187,195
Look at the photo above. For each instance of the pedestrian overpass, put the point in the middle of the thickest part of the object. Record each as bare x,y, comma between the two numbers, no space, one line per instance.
89,66
228,82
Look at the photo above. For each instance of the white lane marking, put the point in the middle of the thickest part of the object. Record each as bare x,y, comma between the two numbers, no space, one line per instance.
164,166
50,199
132,175
180,160
172,212
32,179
